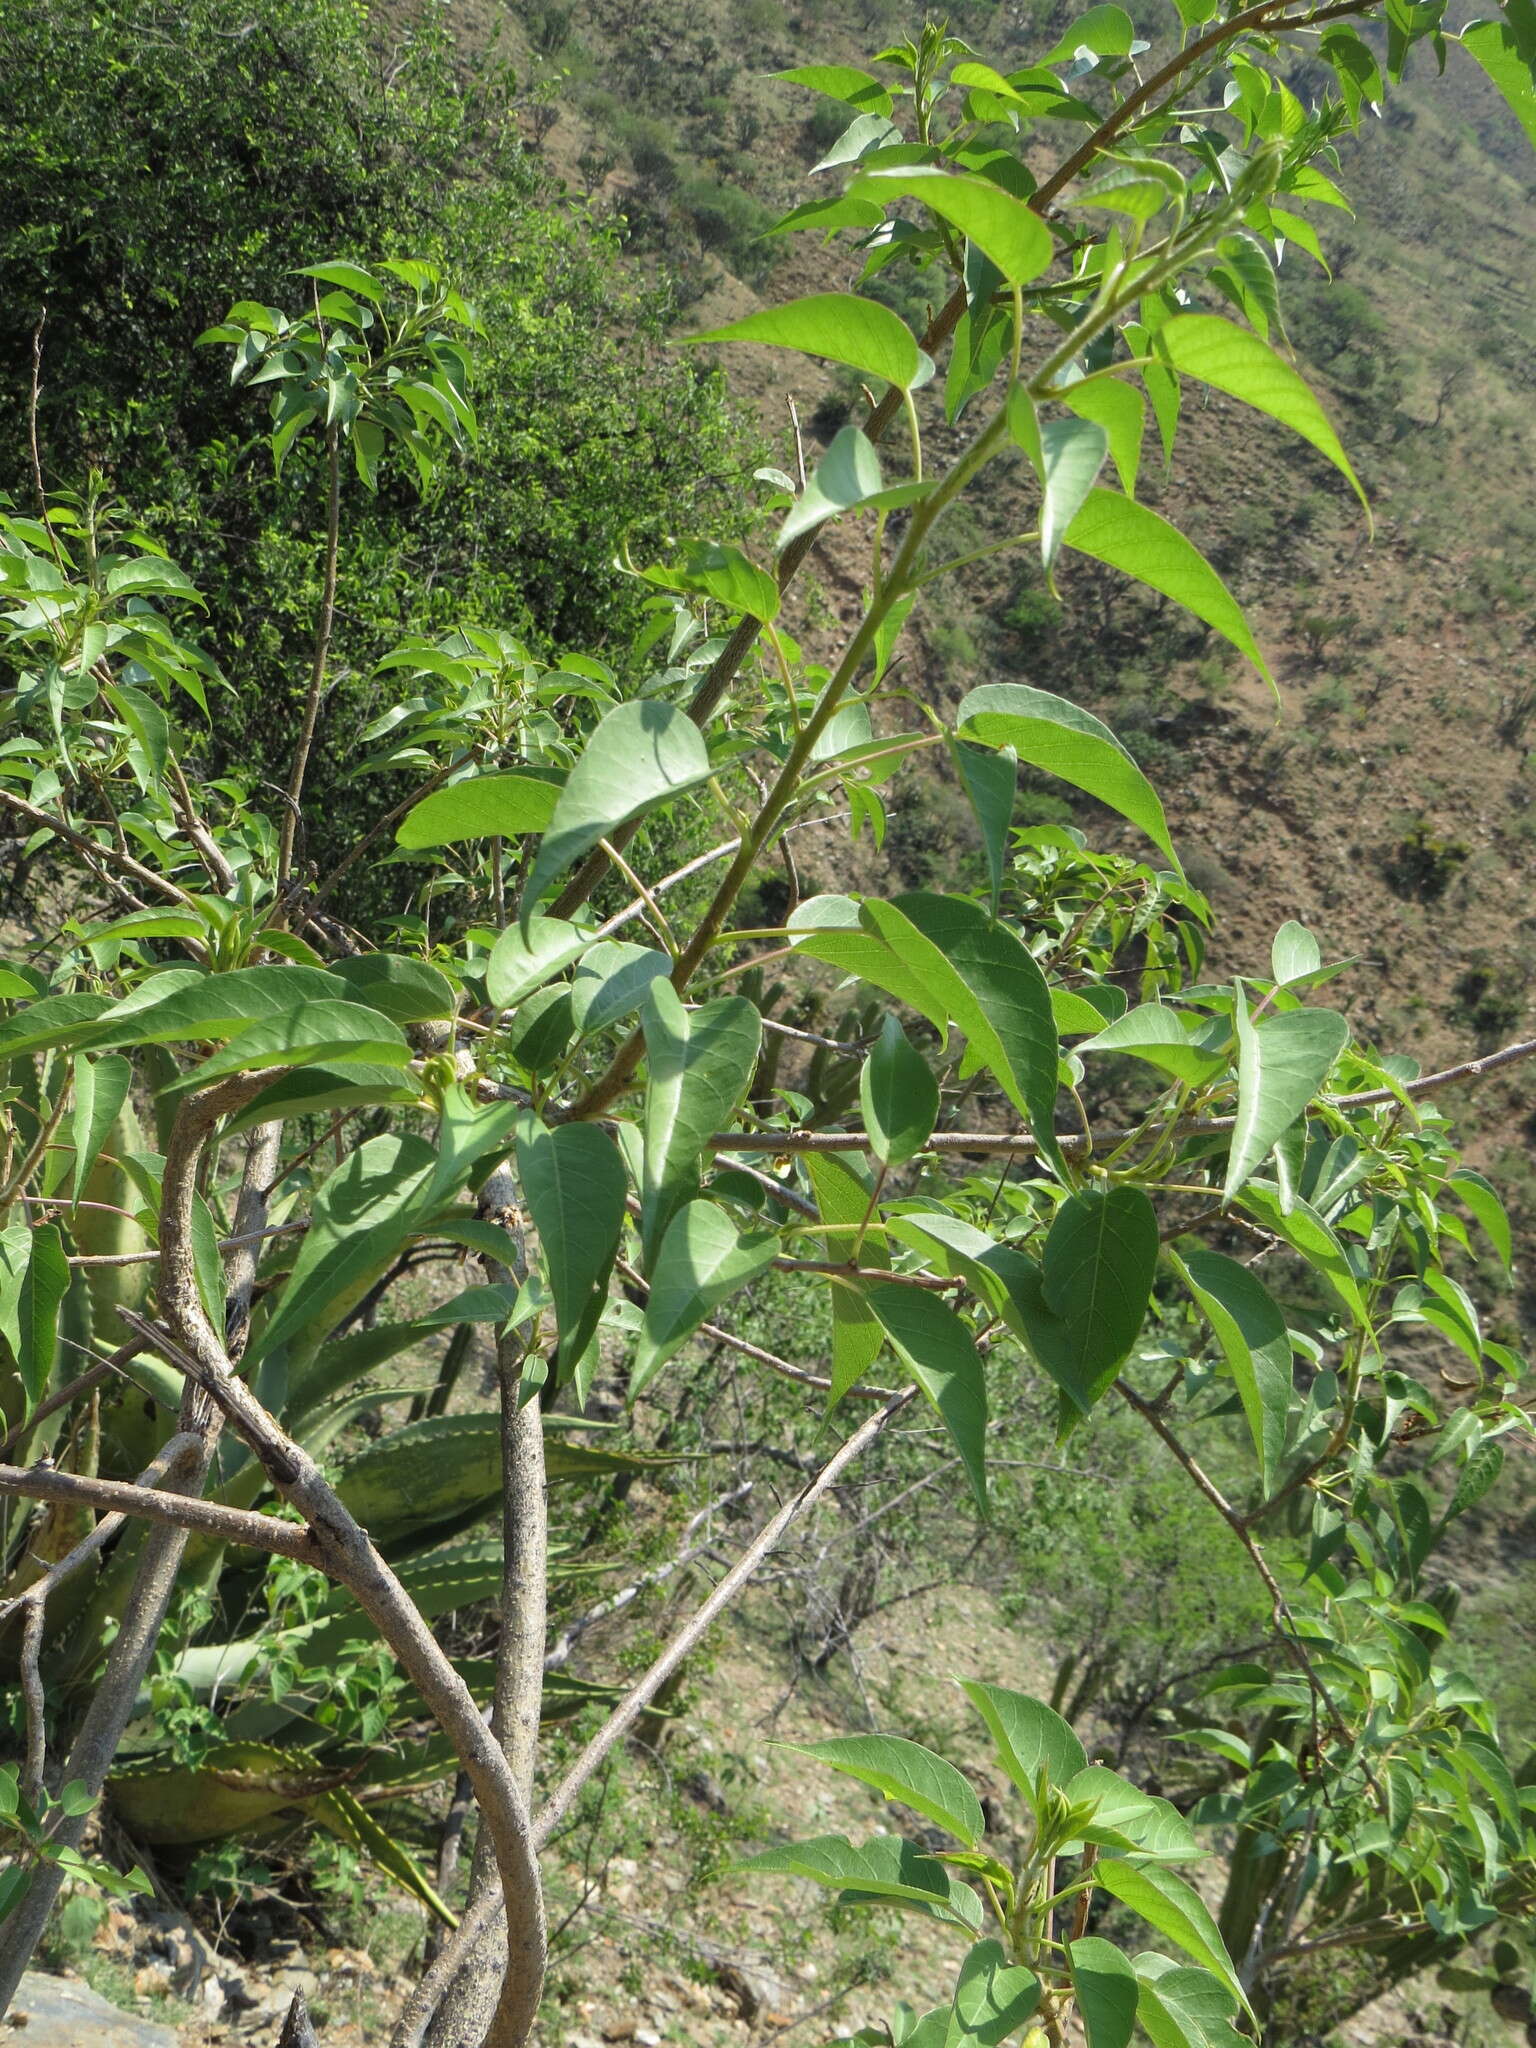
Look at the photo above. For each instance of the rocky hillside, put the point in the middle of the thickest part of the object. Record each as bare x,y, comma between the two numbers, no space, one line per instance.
1386,799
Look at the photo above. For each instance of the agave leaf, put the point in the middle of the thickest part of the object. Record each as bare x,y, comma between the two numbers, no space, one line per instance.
247,1788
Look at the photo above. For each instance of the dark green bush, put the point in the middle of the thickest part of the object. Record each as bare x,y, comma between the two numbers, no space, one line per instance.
153,176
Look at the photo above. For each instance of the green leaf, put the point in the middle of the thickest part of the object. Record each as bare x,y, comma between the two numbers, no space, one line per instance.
1129,1819
1232,359
993,1998
637,756
611,982
1478,1756
34,1279
183,1003
1061,738
940,1353
1130,538
1480,1197
53,1021
899,1096
361,1217
101,1089
1183,2008
529,954
863,334
1028,1737
885,1868
907,1772
1255,1343
1005,229
351,277
1030,93
864,134
845,731
150,576
305,1091
1105,1988
1161,1036
1074,1013
481,807
1282,1063
1121,411
699,1063
1506,50
1072,453
1300,1226
1106,30
828,215
957,1248
703,1260
1167,1903
842,82
540,1029
847,477
406,990
146,721
153,924
574,1185
857,1337
1295,953
990,781
1139,186
1096,1280
472,1137
992,988
1475,1478
832,928
725,574
320,1031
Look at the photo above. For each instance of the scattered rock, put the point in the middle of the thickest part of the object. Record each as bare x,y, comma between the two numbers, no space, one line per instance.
748,1999
58,2012
704,1790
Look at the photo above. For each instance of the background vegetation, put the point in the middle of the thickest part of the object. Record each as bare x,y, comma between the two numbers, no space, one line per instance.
584,175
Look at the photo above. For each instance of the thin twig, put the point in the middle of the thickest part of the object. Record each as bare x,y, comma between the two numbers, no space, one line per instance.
172,1454
348,1555
1285,1621
177,1511
852,1051
1027,1144
411,2026
37,457
378,828
34,1156
32,1694
145,877
124,1356
209,852
226,1244
781,1191
800,1374
693,1631
560,1652
693,867
324,626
